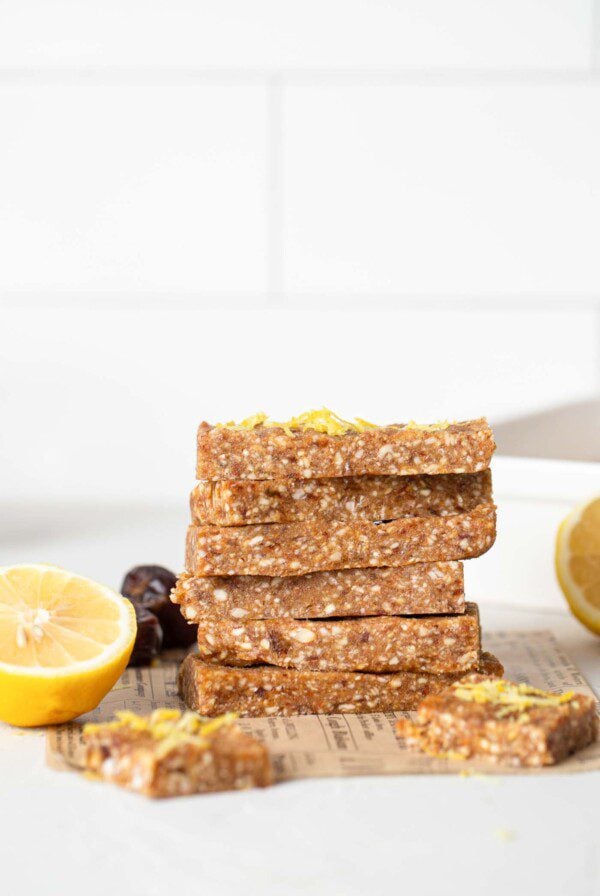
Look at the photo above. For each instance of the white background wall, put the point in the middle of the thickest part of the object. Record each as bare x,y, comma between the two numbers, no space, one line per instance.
211,208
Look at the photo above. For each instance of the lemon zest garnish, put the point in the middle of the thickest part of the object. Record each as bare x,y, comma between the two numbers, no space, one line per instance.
170,727
504,834
324,421
211,725
511,697
249,423
429,427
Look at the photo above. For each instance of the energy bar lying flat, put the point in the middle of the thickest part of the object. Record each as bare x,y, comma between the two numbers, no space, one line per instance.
502,722
269,691
266,452
437,644
421,588
292,549
241,502
170,753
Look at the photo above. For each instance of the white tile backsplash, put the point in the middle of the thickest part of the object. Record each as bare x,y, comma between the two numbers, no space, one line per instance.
484,189
268,34
129,188
391,208
105,403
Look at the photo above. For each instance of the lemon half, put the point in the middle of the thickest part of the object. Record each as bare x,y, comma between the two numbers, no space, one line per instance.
64,642
578,562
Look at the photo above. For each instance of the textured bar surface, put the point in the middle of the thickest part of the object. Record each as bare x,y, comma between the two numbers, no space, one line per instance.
175,763
244,502
370,644
288,549
420,588
396,450
521,734
270,691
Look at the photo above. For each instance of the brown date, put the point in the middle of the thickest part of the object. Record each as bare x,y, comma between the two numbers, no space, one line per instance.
149,637
149,586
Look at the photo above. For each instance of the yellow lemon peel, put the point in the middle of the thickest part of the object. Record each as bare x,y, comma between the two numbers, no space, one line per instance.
429,427
513,698
323,420
162,724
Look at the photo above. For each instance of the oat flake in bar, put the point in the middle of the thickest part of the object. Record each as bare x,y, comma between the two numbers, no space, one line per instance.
242,502
502,722
270,691
170,753
293,549
259,450
421,588
437,644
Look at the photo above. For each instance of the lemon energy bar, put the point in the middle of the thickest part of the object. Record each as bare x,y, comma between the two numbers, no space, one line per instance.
292,549
170,753
272,691
241,502
438,644
296,450
502,722
420,588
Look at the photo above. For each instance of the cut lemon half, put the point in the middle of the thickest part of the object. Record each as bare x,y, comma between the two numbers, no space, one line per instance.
578,562
64,642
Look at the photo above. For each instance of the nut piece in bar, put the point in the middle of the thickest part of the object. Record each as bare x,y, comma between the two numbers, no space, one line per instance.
293,549
170,753
271,691
318,445
437,644
421,588
482,717
243,502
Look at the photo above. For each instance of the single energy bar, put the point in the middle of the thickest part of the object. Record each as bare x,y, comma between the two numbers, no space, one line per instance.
293,549
170,753
270,691
481,717
421,588
439,644
242,502
274,452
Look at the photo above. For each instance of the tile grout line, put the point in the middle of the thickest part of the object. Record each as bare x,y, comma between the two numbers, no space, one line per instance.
233,76
324,300
274,190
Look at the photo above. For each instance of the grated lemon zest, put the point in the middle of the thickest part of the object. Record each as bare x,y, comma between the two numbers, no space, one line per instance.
511,697
170,727
249,423
504,834
324,421
429,427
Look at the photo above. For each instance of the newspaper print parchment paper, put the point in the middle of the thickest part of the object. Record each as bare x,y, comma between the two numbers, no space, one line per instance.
339,745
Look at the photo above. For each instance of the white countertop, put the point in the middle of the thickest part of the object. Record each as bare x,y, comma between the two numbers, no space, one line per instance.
429,835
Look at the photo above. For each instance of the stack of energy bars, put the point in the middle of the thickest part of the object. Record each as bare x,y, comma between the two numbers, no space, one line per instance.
324,564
